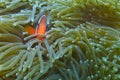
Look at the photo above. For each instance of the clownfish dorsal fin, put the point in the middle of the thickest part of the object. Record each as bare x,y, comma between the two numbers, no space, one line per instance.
30,29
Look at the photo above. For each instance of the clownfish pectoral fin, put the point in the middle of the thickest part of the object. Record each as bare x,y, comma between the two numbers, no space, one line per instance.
30,30
41,27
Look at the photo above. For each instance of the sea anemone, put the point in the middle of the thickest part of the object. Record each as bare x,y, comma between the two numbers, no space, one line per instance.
83,41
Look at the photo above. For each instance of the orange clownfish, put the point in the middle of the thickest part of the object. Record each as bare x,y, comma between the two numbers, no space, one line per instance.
40,28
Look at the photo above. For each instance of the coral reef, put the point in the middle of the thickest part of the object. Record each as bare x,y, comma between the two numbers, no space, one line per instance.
83,42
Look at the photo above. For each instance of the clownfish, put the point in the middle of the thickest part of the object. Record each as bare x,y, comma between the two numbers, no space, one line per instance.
41,28
30,29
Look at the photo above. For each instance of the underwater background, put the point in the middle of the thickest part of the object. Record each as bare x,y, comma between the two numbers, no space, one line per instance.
83,41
